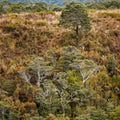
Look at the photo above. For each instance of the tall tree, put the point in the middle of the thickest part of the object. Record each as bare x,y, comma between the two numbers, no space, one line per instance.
75,17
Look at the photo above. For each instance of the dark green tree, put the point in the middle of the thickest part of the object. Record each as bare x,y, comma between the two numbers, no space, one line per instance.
111,65
8,112
39,6
4,5
16,8
75,17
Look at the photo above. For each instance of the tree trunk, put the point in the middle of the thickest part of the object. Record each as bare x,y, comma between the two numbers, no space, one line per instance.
77,35
73,109
3,113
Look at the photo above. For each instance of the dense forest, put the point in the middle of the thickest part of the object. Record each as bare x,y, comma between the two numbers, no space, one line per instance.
60,62
18,7
58,2
94,3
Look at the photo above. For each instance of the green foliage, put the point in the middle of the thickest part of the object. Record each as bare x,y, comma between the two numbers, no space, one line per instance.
73,77
9,86
107,4
97,114
62,92
4,6
68,54
111,65
103,76
8,7
41,79
75,17
87,68
96,5
115,115
15,8
112,4
8,112
83,117
57,8
38,7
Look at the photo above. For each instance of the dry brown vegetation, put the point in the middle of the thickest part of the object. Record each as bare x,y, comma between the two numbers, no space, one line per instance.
106,32
28,34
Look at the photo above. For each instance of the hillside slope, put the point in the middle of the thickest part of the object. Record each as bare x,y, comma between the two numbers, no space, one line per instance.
33,43
38,31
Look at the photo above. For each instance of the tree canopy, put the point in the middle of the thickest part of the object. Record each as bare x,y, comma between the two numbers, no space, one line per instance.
75,17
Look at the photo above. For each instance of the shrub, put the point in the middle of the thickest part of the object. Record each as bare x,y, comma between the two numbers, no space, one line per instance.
108,4
68,38
112,15
9,86
41,23
11,27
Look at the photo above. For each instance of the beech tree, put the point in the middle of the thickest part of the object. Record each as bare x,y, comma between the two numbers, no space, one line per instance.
86,67
75,17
